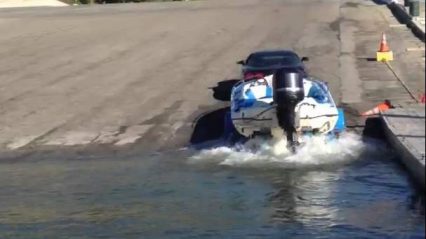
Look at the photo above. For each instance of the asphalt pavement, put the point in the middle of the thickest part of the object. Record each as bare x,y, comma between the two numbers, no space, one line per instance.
140,73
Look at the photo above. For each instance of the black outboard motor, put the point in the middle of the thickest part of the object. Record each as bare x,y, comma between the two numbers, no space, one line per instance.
288,92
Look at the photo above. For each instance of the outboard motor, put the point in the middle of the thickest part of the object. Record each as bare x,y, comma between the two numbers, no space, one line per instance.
288,92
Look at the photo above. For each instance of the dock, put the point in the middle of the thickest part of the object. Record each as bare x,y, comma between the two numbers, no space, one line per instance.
405,131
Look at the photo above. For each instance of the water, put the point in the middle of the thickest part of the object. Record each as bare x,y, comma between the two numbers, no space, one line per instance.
346,189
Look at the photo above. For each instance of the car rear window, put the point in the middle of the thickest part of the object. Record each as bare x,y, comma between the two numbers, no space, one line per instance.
273,60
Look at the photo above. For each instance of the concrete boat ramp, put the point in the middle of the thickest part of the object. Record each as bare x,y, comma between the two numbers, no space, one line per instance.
31,3
405,130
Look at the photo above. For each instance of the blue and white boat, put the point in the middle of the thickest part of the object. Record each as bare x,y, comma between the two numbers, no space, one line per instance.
285,105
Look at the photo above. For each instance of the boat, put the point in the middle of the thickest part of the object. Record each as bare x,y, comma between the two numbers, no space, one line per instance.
285,105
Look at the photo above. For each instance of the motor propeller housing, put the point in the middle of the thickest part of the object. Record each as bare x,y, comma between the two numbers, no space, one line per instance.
288,91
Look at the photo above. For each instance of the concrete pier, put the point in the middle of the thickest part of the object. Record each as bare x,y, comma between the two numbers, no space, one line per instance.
405,130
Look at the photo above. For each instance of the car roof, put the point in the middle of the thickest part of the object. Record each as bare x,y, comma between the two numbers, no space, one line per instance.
274,52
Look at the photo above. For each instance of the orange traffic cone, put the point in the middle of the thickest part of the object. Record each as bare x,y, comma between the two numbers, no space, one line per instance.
384,54
422,98
384,44
382,107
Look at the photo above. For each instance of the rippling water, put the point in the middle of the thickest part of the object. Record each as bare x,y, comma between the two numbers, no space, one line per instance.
220,193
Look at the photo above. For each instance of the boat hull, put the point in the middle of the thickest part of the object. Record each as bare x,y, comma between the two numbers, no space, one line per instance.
253,110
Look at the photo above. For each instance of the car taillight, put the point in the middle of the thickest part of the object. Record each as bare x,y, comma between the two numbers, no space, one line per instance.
253,75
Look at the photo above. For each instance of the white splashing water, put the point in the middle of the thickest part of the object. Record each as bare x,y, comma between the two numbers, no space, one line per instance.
259,153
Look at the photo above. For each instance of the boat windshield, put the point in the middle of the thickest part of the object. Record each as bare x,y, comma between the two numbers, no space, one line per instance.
319,93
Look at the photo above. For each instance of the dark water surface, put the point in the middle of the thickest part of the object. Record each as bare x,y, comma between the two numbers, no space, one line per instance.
164,196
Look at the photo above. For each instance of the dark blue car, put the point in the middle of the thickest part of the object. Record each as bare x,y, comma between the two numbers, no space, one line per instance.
263,63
